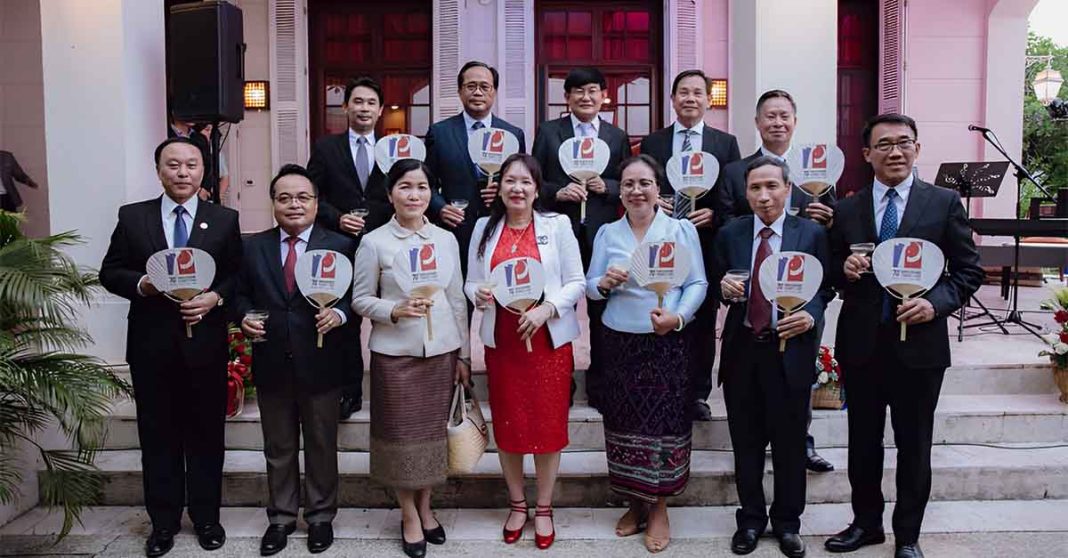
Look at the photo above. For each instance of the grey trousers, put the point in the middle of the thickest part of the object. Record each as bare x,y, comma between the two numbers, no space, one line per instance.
284,415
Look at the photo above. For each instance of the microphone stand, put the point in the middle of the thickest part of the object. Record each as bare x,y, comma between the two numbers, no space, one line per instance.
1014,316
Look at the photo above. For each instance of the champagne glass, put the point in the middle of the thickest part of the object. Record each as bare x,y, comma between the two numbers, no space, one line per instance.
459,203
864,250
259,317
360,212
741,276
488,285
793,210
620,266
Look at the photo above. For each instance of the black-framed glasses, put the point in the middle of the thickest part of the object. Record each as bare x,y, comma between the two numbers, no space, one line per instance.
905,145
286,199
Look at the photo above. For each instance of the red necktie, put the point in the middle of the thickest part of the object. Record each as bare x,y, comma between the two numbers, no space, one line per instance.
759,311
289,268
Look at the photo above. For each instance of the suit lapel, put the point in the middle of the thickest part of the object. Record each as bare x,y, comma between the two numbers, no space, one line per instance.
565,131
867,212
744,246
914,208
790,233
154,226
459,132
200,224
271,250
708,142
345,152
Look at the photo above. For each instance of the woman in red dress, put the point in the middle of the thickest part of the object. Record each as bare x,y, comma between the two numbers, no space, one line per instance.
529,388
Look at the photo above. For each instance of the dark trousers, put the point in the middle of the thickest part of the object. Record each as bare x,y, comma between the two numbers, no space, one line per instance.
7,203
181,417
354,385
763,409
285,415
702,334
912,395
595,373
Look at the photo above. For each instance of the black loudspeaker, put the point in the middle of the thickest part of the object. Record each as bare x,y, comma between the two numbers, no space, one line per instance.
205,61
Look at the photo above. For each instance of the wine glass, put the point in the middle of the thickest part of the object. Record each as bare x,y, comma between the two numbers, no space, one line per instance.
864,250
741,276
360,212
260,318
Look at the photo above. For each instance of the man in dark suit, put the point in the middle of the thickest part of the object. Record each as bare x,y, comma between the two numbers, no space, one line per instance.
776,118
767,391
689,97
584,91
458,178
179,382
879,369
10,171
297,384
344,170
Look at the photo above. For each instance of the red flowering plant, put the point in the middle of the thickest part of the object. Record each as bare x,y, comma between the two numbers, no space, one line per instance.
238,372
1058,339
827,367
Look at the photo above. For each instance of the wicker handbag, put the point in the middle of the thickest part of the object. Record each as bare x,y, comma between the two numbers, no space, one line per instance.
467,432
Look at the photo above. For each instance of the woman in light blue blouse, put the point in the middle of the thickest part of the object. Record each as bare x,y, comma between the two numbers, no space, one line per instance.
647,424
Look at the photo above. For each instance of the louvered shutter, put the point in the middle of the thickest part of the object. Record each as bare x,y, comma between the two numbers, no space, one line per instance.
448,26
516,45
289,82
892,55
683,33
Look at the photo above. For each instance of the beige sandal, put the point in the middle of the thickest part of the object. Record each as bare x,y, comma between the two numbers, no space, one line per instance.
632,523
655,544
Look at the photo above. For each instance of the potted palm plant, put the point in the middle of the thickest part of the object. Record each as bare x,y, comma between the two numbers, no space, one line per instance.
44,382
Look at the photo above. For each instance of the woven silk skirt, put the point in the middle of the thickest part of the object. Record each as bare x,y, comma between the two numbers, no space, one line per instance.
410,399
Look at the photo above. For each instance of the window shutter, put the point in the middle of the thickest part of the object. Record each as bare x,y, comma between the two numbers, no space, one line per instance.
289,83
682,40
517,51
892,55
448,25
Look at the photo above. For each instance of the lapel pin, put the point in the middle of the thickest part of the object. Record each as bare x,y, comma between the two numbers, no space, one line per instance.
543,239
203,225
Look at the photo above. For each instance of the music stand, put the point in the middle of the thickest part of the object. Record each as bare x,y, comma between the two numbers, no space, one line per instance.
973,180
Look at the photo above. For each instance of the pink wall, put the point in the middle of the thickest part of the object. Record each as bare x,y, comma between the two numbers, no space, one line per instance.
715,21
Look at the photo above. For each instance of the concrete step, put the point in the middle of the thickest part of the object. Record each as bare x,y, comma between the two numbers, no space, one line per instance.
959,419
960,473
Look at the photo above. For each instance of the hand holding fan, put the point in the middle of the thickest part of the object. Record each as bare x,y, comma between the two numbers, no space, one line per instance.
181,274
323,276
489,147
907,268
422,269
789,280
659,267
583,159
519,284
815,167
692,174
395,147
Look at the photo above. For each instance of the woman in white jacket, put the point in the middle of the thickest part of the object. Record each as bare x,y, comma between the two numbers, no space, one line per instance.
529,389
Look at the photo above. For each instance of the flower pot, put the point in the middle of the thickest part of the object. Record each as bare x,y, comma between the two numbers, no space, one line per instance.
827,396
235,396
1060,377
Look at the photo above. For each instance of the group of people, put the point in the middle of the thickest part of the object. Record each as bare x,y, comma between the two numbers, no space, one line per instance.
651,365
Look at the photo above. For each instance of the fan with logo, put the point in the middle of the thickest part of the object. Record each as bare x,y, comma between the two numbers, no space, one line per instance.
395,147
583,159
692,174
181,274
815,167
789,280
421,270
489,147
660,267
518,285
323,277
907,268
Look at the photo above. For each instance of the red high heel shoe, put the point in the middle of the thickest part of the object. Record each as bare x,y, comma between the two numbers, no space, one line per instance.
544,541
518,506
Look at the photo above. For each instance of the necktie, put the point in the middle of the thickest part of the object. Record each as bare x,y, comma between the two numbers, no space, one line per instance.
888,230
686,145
289,268
181,233
759,309
478,125
363,170
585,129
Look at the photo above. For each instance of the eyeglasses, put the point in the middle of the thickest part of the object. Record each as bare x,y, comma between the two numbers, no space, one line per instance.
589,91
471,87
905,145
635,186
286,199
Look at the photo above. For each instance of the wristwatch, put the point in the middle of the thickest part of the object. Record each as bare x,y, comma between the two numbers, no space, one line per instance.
603,291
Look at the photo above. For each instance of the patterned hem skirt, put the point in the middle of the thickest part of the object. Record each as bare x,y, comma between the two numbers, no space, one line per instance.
410,399
647,422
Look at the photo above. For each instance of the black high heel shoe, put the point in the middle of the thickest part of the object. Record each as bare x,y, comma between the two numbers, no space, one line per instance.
435,535
415,549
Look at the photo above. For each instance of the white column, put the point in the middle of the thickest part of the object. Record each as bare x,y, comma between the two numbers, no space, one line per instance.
103,65
784,44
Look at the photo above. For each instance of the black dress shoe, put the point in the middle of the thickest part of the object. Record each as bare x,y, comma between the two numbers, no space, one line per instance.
160,542
435,535
211,536
275,538
854,537
701,410
320,536
791,545
818,464
415,549
744,541
908,551
348,405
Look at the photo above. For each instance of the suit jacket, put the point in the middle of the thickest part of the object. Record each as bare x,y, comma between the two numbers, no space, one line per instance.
289,355
732,190
333,171
932,213
734,250
10,171
600,208
560,258
155,330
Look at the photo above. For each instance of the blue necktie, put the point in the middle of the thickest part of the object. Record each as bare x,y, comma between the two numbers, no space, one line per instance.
888,230
181,233
682,203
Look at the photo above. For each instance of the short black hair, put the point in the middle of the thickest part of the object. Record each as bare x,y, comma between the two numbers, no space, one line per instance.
288,170
364,81
478,64
775,94
763,161
579,77
888,118
185,140
658,169
405,166
685,74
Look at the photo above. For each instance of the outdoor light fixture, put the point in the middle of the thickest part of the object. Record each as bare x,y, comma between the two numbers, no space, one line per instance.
1047,84
257,95
717,93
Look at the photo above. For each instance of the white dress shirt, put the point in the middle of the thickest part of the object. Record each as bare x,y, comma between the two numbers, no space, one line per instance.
767,153
301,247
775,241
469,122
878,195
354,146
166,209
575,123
696,139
